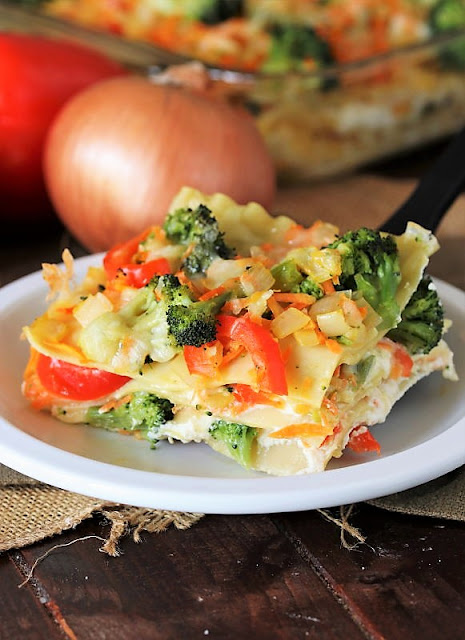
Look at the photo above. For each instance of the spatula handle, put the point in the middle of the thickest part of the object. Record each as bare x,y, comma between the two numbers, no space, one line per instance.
435,192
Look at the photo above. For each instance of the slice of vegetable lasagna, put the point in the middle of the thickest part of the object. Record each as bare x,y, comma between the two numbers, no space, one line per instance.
275,344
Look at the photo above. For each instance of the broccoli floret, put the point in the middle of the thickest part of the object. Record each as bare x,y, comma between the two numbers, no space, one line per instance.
238,438
221,10
198,230
370,265
308,285
293,44
143,412
288,277
422,323
449,15
190,323
171,291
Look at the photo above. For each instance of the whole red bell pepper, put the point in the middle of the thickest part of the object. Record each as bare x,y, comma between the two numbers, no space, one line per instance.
37,76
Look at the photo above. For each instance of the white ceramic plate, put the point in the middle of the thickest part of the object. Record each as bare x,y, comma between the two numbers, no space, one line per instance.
423,439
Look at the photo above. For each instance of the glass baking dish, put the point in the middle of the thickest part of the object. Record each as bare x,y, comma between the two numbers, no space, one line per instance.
319,123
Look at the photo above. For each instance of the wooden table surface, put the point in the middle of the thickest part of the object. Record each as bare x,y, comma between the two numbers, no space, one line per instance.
282,576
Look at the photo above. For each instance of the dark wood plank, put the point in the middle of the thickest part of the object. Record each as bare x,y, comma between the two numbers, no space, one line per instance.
23,612
23,251
226,577
406,582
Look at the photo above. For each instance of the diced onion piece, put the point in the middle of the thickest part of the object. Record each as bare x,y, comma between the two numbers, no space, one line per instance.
351,311
259,303
94,278
307,337
319,264
333,323
356,335
325,305
288,322
92,307
222,270
256,278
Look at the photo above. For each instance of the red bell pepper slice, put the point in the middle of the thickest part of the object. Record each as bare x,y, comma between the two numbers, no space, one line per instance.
261,345
75,382
362,441
204,360
137,274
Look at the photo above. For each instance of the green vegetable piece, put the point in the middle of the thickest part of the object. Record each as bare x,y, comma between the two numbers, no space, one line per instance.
287,276
293,44
216,11
189,323
363,368
144,412
449,15
370,265
197,229
310,287
422,322
195,324
239,439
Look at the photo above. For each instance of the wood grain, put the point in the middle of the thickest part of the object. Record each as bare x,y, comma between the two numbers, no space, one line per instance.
406,582
227,577
22,612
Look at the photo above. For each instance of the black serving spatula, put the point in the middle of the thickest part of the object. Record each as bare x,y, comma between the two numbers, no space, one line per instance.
435,192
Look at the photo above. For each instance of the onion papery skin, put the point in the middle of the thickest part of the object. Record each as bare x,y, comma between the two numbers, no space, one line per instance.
118,153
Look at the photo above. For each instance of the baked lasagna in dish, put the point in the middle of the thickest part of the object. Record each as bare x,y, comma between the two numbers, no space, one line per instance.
269,35
275,344
333,84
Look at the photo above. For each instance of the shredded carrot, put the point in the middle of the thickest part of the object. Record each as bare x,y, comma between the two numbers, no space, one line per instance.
183,279
298,305
337,429
181,276
274,306
114,404
330,405
212,293
303,430
322,339
64,310
333,345
387,344
292,232
328,287
234,351
363,311
295,298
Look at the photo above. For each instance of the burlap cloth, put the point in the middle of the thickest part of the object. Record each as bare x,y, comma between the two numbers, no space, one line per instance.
31,511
